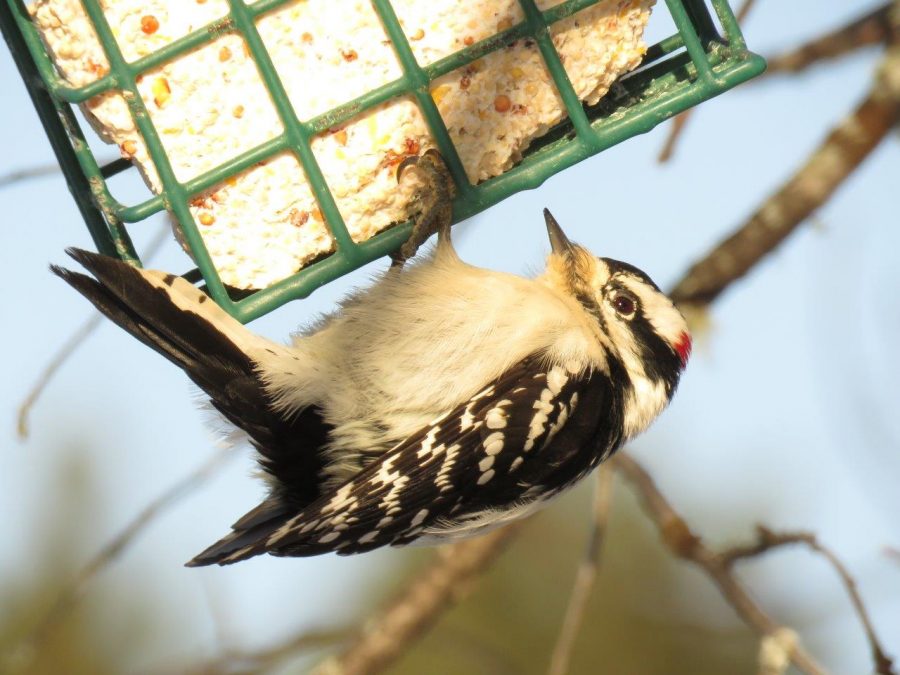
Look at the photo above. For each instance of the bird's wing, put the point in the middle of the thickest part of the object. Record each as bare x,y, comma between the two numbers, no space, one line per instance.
177,320
527,428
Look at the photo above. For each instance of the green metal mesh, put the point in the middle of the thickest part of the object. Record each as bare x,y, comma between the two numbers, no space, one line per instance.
680,71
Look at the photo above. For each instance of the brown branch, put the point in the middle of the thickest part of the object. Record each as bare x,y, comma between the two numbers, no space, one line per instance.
404,619
586,575
826,169
683,543
870,29
676,128
680,120
767,540
72,592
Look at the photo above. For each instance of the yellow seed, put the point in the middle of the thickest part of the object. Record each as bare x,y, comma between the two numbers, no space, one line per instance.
161,91
207,219
238,111
438,93
516,72
224,54
129,148
418,35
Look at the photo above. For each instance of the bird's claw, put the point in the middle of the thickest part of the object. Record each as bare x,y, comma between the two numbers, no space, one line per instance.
433,198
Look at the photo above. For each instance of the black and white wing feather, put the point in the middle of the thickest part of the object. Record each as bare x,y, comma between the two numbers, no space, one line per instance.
520,440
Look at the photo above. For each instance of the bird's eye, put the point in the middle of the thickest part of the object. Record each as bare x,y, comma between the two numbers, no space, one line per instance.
625,304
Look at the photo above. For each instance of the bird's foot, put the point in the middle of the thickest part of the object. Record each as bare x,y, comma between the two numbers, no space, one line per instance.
432,199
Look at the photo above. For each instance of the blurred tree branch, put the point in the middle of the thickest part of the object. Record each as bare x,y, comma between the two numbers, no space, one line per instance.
262,660
877,27
767,540
586,574
412,612
683,543
870,29
73,591
74,341
680,120
827,168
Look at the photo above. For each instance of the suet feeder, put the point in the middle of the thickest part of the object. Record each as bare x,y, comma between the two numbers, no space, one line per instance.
705,57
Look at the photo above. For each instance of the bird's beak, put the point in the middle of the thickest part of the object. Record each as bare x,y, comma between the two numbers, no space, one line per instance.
559,242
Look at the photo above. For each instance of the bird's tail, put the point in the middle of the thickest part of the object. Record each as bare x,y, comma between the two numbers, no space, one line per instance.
167,314
224,359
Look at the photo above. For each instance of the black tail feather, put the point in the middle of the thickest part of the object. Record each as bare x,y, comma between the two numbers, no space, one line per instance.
250,533
161,311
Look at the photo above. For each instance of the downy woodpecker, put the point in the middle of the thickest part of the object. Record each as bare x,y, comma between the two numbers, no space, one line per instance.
441,401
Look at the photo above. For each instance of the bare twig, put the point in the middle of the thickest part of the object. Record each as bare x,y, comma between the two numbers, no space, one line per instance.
766,540
75,340
680,120
682,542
262,660
869,29
74,590
586,575
826,169
420,603
676,128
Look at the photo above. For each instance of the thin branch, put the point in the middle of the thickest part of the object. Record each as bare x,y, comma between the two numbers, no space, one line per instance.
870,29
262,660
680,120
682,542
676,129
826,169
75,340
408,616
111,551
586,575
767,540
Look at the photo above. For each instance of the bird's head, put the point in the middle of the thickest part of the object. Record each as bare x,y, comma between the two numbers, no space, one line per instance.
641,325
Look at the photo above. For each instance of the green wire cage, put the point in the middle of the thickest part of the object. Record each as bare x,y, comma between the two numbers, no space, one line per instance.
701,60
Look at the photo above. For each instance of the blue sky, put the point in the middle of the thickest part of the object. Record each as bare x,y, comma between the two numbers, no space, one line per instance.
787,413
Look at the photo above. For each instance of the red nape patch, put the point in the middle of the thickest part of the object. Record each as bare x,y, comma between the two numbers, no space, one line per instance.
683,347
